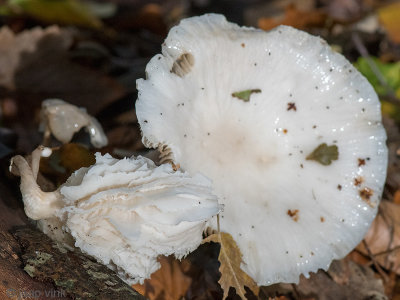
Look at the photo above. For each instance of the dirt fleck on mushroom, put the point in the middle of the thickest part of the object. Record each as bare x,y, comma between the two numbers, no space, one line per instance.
322,219
293,214
366,194
358,181
285,131
243,45
361,162
339,187
291,105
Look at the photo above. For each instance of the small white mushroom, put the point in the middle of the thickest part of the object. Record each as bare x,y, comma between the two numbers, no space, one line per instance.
288,130
63,120
123,212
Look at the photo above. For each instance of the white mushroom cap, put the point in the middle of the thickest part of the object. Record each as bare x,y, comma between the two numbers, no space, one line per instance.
125,212
289,211
64,120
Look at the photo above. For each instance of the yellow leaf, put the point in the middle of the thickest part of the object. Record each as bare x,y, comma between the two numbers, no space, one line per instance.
70,12
389,16
230,258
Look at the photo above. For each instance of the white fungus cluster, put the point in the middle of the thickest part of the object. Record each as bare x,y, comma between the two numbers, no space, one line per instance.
288,130
125,213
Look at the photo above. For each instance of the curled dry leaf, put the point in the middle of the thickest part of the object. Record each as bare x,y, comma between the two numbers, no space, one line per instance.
230,258
169,283
383,238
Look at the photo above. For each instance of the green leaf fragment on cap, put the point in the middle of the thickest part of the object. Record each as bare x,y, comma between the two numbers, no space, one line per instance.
245,95
324,154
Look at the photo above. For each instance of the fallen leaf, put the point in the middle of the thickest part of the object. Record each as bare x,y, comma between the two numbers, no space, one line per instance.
36,62
344,280
168,283
66,160
389,16
295,18
383,238
324,154
396,197
344,10
35,65
68,12
230,258
245,95
390,73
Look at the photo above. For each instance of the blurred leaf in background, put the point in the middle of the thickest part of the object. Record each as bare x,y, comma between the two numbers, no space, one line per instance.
386,86
389,16
67,12
390,72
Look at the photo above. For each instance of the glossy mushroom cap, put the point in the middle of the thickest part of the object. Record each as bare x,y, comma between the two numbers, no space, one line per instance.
288,130
63,120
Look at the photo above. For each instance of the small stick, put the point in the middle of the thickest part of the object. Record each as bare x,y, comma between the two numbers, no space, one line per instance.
378,268
391,95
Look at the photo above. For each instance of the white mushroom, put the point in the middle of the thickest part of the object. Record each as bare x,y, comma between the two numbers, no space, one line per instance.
63,120
124,212
288,130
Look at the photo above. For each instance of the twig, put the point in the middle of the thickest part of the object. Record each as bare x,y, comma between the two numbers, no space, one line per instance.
378,268
390,93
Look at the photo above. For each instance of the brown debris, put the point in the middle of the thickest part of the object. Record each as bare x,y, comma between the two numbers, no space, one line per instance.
361,162
291,105
366,193
293,214
358,181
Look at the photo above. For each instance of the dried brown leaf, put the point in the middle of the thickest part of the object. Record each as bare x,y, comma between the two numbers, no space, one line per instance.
296,18
344,280
169,283
383,238
230,258
66,160
36,62
344,10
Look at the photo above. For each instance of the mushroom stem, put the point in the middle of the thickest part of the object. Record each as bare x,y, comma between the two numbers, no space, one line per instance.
38,204
35,161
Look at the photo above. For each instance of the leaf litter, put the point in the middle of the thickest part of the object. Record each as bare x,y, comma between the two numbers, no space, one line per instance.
36,63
